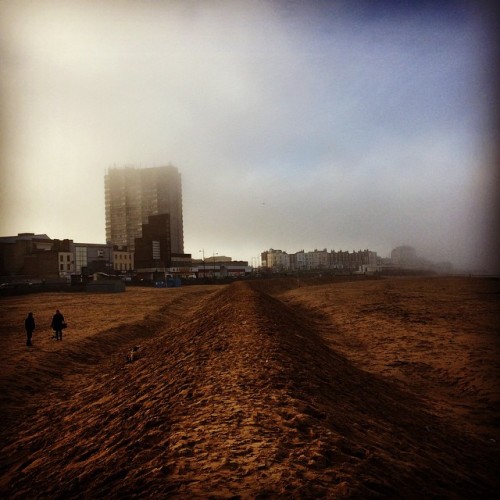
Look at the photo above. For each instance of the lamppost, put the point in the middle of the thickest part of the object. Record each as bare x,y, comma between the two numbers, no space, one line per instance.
202,251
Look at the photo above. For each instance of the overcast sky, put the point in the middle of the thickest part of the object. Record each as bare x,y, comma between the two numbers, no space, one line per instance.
295,125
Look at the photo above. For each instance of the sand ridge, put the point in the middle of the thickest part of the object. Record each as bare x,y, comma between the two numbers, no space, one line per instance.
239,391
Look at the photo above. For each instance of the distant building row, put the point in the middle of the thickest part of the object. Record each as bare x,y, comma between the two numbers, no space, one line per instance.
402,258
36,256
278,260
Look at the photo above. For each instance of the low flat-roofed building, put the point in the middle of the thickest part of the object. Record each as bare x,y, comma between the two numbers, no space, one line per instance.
91,258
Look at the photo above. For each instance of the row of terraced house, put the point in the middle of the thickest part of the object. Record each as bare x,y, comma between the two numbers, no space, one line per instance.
281,261
403,258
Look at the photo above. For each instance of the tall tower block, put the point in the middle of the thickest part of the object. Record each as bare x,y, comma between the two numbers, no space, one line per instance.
133,194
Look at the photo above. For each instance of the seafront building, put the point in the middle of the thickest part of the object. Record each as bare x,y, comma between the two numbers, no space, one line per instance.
37,256
28,257
145,241
403,260
133,194
281,261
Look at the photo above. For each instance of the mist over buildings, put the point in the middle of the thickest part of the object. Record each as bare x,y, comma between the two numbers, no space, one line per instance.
293,125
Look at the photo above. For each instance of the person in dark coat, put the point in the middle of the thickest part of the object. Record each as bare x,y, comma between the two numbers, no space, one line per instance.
29,325
58,324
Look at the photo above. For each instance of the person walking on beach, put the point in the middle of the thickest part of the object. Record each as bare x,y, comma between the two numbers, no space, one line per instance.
29,325
58,324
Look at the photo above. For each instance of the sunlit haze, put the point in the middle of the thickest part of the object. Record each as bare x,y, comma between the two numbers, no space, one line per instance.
295,125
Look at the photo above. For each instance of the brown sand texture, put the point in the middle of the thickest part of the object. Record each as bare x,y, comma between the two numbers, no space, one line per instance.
334,388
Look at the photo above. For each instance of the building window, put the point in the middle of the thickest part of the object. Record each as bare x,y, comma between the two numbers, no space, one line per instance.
81,258
61,267
156,250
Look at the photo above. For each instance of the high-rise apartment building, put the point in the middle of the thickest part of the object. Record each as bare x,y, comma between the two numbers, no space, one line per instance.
133,194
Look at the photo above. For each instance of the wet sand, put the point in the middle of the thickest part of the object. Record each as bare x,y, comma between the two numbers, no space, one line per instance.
259,389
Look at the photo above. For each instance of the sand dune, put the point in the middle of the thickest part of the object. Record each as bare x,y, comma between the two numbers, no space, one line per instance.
259,389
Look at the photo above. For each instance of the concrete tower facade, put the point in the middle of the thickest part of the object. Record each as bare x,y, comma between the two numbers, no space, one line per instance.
133,194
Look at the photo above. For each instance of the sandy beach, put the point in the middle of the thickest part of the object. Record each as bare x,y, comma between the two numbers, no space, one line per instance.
332,388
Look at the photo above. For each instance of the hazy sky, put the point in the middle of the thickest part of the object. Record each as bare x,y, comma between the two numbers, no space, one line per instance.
295,125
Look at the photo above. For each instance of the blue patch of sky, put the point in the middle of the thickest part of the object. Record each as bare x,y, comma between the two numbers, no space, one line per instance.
379,72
